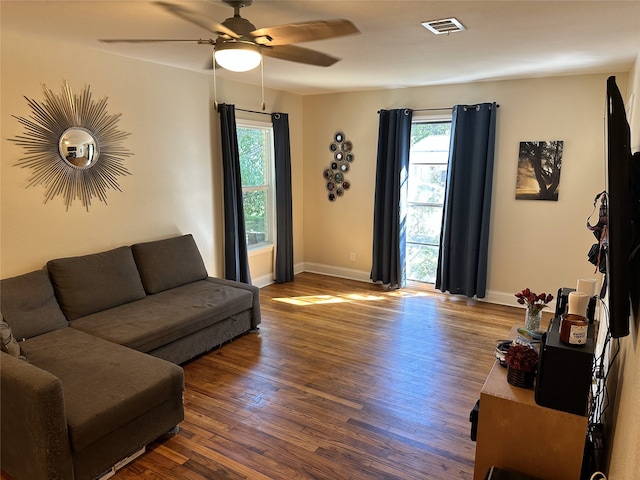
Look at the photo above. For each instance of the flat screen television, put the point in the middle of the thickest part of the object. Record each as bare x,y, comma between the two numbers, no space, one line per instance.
623,265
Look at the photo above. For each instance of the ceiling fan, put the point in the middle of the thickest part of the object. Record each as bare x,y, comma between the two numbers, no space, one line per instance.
239,45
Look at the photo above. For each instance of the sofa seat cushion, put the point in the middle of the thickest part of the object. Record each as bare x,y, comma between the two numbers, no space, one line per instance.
91,283
160,319
29,305
165,264
105,386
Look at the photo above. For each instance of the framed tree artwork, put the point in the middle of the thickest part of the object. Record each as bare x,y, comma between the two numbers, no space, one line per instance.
539,165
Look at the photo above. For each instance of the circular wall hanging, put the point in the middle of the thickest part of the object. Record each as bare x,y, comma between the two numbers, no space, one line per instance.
73,146
335,175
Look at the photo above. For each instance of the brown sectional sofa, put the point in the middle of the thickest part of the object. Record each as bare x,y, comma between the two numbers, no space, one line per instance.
102,335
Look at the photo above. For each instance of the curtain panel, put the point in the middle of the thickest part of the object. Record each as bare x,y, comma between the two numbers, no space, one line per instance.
389,215
236,259
464,238
284,218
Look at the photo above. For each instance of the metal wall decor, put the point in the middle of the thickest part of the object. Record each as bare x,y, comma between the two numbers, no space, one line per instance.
73,146
335,175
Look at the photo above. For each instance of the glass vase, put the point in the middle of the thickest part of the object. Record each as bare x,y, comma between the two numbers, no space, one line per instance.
532,319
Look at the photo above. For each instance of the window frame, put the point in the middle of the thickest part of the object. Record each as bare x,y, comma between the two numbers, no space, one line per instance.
421,119
268,187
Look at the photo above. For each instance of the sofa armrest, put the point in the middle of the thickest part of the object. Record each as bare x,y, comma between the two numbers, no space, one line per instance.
255,291
35,442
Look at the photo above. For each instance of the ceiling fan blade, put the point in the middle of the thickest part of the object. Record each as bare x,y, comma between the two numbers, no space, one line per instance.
199,41
297,54
305,31
197,19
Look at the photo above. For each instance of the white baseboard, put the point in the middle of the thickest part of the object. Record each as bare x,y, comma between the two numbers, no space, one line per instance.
333,271
268,279
492,296
501,298
508,298
263,281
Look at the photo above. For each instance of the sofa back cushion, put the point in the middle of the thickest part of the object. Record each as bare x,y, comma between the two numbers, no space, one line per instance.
29,306
93,283
169,263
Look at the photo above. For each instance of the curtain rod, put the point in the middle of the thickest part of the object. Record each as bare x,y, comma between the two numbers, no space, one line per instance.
252,111
439,108
431,109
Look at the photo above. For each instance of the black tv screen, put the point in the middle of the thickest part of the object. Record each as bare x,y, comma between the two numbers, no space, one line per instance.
619,219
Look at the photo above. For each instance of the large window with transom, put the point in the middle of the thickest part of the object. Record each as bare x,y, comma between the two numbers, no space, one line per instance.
428,162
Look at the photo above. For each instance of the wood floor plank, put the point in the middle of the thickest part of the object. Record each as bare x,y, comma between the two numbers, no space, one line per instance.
344,380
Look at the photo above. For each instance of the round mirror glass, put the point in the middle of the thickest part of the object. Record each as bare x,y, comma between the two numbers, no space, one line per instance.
78,147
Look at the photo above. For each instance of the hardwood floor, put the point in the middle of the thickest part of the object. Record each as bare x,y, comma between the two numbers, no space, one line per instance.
343,381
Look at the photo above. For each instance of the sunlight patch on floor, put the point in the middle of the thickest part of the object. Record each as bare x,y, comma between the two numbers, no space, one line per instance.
311,300
348,297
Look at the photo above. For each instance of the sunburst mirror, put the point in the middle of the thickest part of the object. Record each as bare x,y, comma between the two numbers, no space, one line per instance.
73,146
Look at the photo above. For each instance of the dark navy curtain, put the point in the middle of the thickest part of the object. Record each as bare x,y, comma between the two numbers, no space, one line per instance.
284,221
236,260
389,216
464,238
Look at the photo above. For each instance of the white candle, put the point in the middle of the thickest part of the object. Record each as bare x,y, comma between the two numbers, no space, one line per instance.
587,286
578,303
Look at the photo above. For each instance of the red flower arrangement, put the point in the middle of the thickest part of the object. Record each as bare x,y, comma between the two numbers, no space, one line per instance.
521,357
534,301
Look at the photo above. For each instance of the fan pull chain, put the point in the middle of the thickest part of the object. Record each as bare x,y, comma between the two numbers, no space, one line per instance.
215,87
262,80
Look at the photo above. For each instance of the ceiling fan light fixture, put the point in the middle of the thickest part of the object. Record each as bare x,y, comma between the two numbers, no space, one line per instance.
238,55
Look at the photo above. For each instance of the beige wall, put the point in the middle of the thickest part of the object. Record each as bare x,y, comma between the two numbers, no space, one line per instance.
541,245
175,186
176,181
536,244
624,461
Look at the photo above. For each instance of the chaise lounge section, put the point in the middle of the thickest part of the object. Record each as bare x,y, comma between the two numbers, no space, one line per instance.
103,335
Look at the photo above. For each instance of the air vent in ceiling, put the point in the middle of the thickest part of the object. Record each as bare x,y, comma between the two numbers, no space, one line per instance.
446,25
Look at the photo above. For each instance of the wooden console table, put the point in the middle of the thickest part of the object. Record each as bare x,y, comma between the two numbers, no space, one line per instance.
515,433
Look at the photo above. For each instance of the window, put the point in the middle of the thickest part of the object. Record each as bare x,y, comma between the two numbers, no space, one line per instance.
255,143
428,161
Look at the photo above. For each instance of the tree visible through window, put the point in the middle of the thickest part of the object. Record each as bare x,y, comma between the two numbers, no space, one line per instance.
255,143
428,161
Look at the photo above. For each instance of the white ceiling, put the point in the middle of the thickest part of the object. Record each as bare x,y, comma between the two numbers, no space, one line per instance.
502,40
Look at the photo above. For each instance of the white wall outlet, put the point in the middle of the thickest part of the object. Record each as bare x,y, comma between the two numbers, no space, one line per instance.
352,256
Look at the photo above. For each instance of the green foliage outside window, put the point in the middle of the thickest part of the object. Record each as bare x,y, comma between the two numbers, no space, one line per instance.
420,131
254,148
251,145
